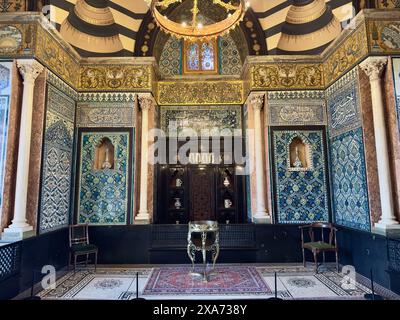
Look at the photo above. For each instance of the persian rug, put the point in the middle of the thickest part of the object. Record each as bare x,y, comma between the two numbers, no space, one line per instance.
231,281
225,280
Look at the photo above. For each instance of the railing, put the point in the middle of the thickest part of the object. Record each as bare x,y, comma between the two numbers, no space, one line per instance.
10,260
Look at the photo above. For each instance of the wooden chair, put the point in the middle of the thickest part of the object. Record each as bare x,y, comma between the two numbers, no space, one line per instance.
318,246
79,244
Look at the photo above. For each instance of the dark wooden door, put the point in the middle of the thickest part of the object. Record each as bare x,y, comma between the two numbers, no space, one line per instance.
202,193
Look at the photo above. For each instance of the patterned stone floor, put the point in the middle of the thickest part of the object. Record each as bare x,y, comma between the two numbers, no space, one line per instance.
249,281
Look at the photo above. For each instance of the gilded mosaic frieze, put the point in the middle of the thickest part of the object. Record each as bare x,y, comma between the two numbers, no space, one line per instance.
387,4
347,54
384,36
17,39
13,5
56,58
115,77
285,76
105,114
296,107
200,92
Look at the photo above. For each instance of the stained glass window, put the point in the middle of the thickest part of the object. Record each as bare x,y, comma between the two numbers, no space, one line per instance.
193,62
207,56
200,57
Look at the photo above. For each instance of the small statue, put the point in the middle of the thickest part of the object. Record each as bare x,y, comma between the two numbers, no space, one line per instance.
297,162
106,164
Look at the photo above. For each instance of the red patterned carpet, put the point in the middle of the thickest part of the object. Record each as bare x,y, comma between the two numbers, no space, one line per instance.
224,280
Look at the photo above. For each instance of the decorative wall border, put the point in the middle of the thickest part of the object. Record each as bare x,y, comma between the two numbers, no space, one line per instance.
296,108
204,92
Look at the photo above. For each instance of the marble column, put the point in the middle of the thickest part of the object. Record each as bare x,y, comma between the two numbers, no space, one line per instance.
145,104
261,216
19,228
374,67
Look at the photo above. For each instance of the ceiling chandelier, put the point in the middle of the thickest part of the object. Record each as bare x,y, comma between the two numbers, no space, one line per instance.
195,28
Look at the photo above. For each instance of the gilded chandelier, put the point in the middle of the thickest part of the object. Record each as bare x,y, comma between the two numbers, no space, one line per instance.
196,29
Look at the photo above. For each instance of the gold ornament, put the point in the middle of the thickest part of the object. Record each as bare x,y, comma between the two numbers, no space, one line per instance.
195,30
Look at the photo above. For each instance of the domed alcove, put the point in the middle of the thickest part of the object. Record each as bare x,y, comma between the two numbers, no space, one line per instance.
299,158
104,155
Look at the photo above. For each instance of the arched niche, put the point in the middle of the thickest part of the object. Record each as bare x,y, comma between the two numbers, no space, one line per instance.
104,155
300,157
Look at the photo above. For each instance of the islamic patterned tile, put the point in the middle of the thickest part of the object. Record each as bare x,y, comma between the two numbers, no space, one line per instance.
57,161
106,97
170,63
230,62
396,70
301,196
344,104
296,108
349,181
103,194
201,118
105,114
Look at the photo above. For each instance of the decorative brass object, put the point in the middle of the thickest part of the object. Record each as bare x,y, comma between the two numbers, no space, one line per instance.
194,29
209,241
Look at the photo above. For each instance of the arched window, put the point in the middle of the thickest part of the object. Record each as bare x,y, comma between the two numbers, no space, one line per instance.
200,57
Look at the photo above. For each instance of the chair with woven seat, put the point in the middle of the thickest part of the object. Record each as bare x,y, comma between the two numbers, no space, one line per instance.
79,244
320,246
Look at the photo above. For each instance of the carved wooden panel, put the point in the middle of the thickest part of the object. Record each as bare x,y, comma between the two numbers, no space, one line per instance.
201,194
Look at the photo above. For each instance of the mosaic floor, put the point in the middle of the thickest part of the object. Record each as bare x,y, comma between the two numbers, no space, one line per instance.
226,282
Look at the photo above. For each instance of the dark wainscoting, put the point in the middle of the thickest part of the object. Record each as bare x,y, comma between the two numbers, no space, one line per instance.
366,251
157,244
248,243
46,249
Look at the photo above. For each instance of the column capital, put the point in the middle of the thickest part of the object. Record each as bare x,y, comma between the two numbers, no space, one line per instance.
256,101
146,101
374,67
29,69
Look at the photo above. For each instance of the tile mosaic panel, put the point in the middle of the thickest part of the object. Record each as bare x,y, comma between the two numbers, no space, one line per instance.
103,194
343,104
230,62
396,70
296,107
105,114
349,181
55,203
170,63
348,169
199,118
301,196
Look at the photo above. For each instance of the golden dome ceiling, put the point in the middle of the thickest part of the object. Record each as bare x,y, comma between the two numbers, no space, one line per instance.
125,27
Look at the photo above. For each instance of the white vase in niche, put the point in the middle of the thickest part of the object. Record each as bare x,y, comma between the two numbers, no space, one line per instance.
227,203
178,183
226,182
178,203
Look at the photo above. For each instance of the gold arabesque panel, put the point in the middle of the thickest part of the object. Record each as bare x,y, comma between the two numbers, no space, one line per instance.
115,77
346,55
286,76
200,92
56,58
